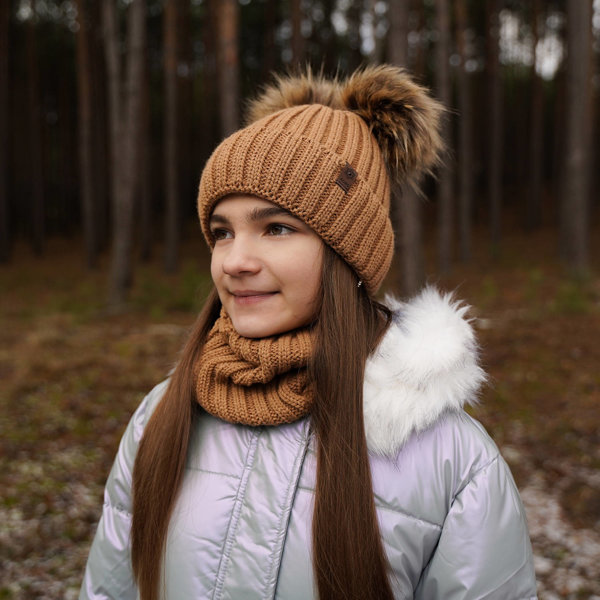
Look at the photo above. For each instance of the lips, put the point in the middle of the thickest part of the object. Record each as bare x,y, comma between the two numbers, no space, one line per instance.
245,297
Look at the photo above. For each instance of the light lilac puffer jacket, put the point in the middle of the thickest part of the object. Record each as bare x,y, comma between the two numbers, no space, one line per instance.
450,515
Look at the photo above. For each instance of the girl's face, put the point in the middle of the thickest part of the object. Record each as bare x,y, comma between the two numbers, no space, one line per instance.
266,265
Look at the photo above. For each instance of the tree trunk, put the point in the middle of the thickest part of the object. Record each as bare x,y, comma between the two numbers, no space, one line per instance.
444,92
398,32
297,39
35,139
420,68
465,153
353,19
4,132
495,145
125,104
533,216
170,136
406,212
101,130
228,65
146,233
86,187
269,47
575,198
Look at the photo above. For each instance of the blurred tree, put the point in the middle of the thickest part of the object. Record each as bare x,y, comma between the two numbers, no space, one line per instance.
35,137
228,64
465,136
100,128
269,48
533,211
297,37
575,197
443,88
420,66
85,125
495,137
407,210
4,133
145,175
171,20
398,13
353,38
125,101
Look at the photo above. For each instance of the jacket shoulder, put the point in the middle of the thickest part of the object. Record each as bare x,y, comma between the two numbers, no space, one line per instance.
443,458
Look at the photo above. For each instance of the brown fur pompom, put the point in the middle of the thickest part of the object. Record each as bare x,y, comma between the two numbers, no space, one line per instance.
404,119
294,90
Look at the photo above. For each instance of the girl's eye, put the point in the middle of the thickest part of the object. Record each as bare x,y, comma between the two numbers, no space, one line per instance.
220,234
279,229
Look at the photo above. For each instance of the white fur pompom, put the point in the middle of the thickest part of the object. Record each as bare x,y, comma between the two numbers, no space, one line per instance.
426,364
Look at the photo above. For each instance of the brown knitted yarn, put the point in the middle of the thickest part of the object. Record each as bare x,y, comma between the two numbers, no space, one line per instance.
298,158
254,381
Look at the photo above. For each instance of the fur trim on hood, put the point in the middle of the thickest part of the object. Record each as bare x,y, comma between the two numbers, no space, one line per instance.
426,364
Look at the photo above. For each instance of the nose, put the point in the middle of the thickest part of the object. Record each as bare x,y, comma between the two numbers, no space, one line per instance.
241,258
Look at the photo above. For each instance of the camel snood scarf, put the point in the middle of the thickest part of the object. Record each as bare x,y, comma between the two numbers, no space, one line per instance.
254,381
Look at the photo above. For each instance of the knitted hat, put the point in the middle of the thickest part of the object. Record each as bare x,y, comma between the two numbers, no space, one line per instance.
328,151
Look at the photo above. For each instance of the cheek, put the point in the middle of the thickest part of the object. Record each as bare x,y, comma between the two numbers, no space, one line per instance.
215,268
308,276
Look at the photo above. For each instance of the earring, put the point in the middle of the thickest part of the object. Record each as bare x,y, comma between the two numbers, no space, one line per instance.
359,283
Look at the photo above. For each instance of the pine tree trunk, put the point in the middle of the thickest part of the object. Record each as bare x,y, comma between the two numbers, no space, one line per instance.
145,171
269,47
420,67
297,39
86,188
406,212
533,215
100,130
495,145
4,132
465,153
125,104
398,32
170,136
444,92
575,198
228,65
35,140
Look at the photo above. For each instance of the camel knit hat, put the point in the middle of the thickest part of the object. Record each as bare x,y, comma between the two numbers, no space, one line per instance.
328,152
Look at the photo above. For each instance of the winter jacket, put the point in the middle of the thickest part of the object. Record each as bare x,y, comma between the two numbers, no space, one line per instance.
451,519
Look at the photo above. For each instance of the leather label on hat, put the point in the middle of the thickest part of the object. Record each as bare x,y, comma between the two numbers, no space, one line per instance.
346,177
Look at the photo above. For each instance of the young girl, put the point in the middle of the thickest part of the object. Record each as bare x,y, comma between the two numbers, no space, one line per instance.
311,441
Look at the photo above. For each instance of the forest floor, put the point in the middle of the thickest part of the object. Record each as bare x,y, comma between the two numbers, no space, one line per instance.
71,375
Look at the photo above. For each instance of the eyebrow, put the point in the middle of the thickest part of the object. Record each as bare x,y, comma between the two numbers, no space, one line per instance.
256,214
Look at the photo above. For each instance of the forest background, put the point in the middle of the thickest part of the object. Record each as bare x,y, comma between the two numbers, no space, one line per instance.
108,111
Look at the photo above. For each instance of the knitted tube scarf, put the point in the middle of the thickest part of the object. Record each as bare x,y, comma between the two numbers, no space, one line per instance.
254,381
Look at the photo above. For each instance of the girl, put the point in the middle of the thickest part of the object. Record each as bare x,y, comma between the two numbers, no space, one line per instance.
311,441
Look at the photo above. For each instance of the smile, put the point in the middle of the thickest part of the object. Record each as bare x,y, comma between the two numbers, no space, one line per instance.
246,297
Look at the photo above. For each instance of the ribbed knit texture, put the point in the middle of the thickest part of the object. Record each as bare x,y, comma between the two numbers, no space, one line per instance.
293,158
254,381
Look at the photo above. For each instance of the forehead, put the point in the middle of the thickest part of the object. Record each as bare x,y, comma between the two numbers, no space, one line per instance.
246,205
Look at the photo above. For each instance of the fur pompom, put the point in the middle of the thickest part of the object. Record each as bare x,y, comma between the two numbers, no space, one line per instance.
294,90
404,119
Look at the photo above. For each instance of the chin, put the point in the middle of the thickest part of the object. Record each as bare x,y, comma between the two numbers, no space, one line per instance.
260,327
253,328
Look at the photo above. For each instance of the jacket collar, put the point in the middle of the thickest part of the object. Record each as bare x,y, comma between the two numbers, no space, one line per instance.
426,364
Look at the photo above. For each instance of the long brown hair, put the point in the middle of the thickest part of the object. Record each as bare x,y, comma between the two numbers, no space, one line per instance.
348,556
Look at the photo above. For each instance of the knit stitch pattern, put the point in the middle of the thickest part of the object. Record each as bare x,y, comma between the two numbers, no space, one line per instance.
293,159
254,381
